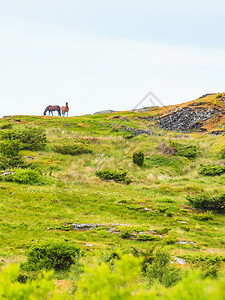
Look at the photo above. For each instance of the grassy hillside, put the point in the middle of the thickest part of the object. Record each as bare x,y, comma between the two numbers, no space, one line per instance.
153,210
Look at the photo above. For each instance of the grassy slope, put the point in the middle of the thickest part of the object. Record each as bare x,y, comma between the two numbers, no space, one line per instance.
78,196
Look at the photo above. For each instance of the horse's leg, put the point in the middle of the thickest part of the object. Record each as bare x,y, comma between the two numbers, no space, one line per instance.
67,114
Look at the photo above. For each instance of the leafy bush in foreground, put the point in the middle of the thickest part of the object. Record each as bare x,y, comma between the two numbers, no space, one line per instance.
26,176
211,170
208,202
118,176
102,281
57,255
31,138
41,288
73,149
138,158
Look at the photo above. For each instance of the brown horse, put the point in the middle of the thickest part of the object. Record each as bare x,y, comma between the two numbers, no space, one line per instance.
65,109
52,108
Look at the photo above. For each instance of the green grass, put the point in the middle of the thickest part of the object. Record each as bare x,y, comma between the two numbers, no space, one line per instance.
156,198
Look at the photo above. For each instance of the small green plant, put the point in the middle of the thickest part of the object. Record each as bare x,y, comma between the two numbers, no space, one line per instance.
118,176
31,138
211,170
56,254
203,217
161,270
208,202
138,158
72,149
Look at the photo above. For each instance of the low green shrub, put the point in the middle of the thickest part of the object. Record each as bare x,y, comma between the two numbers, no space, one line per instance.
162,230
55,254
222,153
170,240
148,237
209,264
6,126
31,138
162,208
185,150
211,170
118,176
12,162
138,158
219,96
160,270
209,202
203,217
10,148
126,234
25,176
72,149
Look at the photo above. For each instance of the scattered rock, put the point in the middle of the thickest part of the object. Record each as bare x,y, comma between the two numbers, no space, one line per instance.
179,260
186,242
217,132
87,226
7,172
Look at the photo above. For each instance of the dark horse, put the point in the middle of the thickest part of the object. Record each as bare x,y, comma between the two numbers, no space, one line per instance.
52,108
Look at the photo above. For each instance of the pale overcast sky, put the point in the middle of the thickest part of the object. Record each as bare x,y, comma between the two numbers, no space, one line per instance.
107,54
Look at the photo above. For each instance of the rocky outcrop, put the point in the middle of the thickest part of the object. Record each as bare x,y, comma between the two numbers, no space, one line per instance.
186,118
